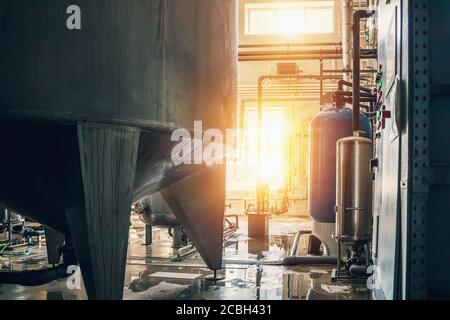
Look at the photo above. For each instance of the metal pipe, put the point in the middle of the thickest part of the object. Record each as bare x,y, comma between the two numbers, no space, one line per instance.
363,100
277,99
34,277
358,271
321,80
298,44
259,146
8,214
349,71
260,109
289,58
343,83
350,94
296,241
184,252
299,77
293,92
310,260
347,11
289,52
357,16
287,99
299,58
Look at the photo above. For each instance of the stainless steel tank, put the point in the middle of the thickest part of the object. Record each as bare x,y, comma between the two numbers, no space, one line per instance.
86,118
354,190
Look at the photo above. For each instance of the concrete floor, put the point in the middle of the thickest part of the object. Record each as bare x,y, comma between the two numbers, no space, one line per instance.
250,270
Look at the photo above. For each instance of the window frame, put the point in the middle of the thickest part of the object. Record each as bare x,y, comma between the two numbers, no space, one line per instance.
276,8
283,39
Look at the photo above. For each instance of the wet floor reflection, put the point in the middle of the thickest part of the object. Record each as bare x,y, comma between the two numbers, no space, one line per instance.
252,271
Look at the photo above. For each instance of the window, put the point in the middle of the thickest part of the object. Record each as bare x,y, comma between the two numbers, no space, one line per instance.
243,173
289,18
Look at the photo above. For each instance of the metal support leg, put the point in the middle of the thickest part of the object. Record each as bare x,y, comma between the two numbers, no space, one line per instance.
8,214
99,197
339,260
148,235
177,237
215,277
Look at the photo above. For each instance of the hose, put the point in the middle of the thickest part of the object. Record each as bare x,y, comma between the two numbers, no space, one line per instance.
31,278
13,254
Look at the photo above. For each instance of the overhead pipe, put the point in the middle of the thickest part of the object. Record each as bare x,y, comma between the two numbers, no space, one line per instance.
361,100
297,77
347,11
349,71
343,83
275,99
261,79
357,16
282,99
361,94
290,52
289,45
256,58
292,93
288,58
299,85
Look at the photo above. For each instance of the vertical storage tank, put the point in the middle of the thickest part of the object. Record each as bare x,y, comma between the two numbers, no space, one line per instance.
86,117
354,190
327,128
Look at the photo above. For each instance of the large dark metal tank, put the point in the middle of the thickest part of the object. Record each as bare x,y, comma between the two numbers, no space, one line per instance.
327,128
86,118
147,63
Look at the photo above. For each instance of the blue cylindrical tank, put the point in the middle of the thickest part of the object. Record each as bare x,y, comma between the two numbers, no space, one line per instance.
329,126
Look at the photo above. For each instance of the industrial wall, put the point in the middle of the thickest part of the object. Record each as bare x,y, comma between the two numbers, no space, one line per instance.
412,211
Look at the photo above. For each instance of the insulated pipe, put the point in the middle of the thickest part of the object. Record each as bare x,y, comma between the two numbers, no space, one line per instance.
347,11
357,16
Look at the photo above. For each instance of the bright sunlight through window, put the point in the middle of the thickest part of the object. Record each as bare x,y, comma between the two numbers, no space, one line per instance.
289,18
273,166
